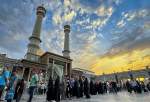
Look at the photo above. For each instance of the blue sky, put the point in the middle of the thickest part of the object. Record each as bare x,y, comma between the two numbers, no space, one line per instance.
98,27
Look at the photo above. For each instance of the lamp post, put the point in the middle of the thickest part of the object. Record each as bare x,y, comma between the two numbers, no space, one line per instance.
130,73
116,76
130,70
104,77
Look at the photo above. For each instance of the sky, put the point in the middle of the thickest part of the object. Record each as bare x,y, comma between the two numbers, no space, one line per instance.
106,35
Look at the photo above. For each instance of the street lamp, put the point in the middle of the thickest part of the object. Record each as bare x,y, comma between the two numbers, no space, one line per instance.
104,77
130,73
116,76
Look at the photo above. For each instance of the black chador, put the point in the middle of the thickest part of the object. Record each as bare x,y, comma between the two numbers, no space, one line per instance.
76,88
50,91
57,89
92,88
80,87
100,88
86,88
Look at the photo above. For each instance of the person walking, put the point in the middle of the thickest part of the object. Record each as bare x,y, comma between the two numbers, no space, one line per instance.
4,80
11,86
19,90
68,88
114,87
33,85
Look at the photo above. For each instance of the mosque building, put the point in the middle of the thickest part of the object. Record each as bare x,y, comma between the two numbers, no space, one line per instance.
48,63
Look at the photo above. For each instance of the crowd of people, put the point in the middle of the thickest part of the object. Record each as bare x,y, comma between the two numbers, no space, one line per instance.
68,88
137,86
81,86
11,85
12,88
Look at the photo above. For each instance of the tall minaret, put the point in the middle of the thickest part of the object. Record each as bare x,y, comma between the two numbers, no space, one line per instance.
35,40
66,52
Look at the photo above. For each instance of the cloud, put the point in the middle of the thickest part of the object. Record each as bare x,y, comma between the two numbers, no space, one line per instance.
57,19
15,29
69,16
67,3
53,41
104,11
136,39
132,15
135,60
121,24
99,23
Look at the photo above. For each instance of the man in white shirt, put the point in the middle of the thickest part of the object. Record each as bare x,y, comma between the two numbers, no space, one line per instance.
33,84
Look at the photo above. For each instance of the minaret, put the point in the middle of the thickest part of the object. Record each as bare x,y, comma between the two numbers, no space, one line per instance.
66,52
35,40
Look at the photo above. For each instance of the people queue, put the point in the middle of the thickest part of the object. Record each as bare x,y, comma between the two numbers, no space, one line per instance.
67,88
80,86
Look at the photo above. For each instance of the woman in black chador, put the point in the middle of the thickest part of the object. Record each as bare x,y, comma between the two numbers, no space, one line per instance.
76,88
57,89
86,88
80,87
92,88
50,90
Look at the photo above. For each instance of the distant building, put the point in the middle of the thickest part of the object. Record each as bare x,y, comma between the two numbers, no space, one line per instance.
136,74
11,63
82,72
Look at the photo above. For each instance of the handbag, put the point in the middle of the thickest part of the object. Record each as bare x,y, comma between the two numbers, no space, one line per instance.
10,94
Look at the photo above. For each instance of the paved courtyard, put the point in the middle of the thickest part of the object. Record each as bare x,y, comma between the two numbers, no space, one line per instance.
120,97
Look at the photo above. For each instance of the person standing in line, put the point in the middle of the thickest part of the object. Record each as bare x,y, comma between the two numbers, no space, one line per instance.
50,91
33,85
148,84
57,89
143,87
72,82
80,87
86,88
76,87
138,87
68,88
128,87
63,88
91,87
11,86
114,87
134,85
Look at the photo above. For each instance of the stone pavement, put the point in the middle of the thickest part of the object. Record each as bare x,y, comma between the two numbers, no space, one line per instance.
120,97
